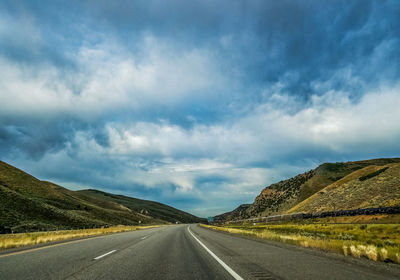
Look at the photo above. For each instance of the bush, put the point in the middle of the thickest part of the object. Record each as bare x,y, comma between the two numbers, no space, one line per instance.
373,174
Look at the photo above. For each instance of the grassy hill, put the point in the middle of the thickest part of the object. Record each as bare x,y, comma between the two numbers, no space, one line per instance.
28,204
285,195
146,208
372,186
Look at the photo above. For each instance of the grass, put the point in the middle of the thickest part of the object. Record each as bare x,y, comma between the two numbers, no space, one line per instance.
359,219
23,239
372,186
378,242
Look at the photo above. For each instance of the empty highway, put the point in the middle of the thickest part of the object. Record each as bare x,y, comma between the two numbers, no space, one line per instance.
183,252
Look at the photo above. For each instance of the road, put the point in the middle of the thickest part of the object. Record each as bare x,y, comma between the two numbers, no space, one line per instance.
183,252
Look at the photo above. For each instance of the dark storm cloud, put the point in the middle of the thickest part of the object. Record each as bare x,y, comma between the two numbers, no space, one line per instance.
266,38
33,140
269,38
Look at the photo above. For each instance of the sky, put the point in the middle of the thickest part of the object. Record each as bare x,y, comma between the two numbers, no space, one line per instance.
197,104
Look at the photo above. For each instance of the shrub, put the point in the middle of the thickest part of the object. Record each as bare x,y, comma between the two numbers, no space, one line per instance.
373,174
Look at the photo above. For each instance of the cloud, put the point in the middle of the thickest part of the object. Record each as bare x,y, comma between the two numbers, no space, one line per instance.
235,158
331,122
195,103
109,82
109,78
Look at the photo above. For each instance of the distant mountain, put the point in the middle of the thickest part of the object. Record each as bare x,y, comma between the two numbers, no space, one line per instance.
303,192
238,213
28,204
146,208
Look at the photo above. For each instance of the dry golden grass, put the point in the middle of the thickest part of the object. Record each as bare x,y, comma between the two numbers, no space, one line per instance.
378,242
360,219
23,239
351,192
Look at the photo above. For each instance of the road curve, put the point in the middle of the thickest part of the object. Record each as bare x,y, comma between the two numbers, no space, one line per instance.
183,252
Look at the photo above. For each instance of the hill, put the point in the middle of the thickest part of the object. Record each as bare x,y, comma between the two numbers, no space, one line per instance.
238,213
283,196
372,186
146,208
28,204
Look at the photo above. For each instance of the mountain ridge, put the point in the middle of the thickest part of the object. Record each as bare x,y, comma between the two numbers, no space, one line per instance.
29,204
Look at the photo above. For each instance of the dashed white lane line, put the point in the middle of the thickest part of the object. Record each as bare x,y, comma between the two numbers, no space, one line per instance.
224,265
106,254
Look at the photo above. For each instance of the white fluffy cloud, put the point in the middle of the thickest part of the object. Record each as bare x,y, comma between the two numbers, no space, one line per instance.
109,78
331,121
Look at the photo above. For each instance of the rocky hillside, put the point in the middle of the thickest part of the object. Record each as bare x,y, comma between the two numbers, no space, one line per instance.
28,204
284,195
239,212
371,186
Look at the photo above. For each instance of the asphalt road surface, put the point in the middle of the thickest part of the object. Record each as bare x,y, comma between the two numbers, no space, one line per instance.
184,252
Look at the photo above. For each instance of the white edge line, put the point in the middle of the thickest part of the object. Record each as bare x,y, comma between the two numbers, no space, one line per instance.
224,265
99,257
144,237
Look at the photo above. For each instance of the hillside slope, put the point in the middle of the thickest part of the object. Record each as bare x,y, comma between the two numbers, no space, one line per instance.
146,208
28,204
284,195
372,186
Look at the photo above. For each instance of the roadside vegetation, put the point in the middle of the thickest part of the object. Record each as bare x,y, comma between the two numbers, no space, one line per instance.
378,242
23,239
